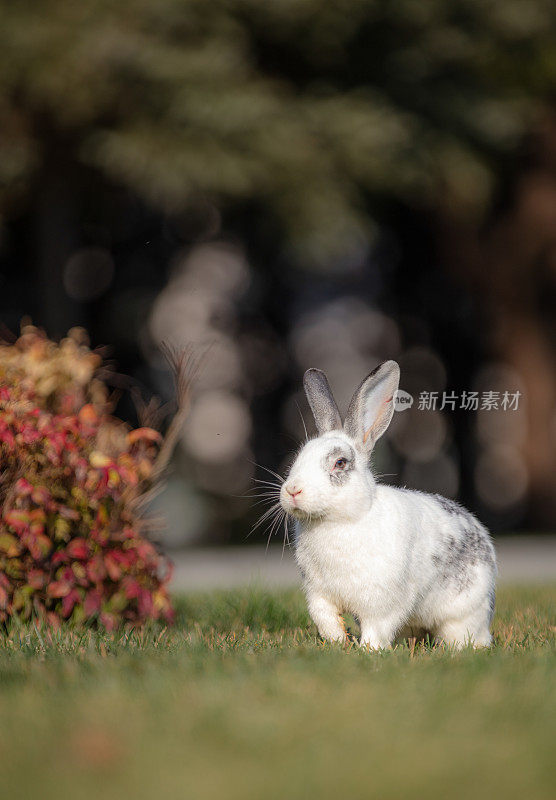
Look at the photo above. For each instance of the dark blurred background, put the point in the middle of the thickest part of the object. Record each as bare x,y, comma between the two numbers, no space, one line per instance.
289,184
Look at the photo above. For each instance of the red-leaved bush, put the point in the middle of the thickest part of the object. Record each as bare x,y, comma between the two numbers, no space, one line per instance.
72,481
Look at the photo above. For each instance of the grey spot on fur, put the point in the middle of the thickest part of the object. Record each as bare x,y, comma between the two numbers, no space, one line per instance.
448,505
341,451
461,554
340,477
491,604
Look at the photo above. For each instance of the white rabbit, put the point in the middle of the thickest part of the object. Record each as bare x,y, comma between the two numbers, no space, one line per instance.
400,561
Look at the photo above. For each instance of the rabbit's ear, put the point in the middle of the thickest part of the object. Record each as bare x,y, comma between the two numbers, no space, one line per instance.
372,405
324,408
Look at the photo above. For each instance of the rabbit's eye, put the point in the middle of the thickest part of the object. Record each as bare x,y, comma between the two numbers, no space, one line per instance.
340,463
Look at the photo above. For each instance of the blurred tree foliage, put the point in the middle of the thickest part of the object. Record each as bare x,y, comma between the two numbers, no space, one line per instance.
304,105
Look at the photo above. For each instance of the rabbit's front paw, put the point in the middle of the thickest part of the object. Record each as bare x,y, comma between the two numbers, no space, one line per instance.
326,617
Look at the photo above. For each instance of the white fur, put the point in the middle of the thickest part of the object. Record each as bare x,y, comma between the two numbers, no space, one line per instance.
400,561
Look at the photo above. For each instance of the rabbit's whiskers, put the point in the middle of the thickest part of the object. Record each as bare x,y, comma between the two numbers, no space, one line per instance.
268,491
267,469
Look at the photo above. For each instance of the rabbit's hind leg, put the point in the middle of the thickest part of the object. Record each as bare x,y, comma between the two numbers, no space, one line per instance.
472,630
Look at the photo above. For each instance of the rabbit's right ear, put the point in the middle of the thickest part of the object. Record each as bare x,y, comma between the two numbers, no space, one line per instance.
324,408
372,405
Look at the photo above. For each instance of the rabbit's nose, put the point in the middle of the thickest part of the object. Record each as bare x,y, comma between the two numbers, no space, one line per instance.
293,490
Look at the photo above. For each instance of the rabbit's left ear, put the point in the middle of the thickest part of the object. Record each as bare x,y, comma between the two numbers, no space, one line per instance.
320,398
372,405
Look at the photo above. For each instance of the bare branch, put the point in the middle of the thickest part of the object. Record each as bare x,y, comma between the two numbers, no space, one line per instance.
143,500
150,414
184,363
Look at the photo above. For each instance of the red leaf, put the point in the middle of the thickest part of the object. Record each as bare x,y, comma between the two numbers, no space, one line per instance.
23,487
66,574
145,551
92,602
108,620
131,588
96,570
39,547
111,564
30,436
36,578
145,603
88,415
58,589
41,496
18,520
7,437
78,548
69,602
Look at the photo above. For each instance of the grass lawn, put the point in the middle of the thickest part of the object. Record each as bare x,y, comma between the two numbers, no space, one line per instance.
241,700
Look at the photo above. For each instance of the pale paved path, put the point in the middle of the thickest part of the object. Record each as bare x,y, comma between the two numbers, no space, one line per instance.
522,559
